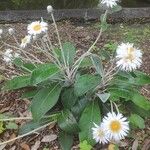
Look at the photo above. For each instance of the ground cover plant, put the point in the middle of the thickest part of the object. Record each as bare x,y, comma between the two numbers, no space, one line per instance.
85,102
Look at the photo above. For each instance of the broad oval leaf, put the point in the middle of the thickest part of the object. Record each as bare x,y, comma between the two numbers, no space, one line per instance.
97,62
86,83
116,93
68,123
137,121
68,98
65,140
138,110
69,53
78,108
18,82
90,115
141,101
43,72
44,100
31,125
141,78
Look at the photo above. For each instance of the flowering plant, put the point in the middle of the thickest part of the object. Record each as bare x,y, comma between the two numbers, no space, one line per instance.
62,88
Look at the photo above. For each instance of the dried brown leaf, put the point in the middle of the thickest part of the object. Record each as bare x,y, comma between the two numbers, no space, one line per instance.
135,144
49,138
36,145
146,145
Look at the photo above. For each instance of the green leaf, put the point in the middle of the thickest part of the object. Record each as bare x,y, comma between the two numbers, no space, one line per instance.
28,67
68,123
103,97
86,83
18,62
12,125
86,63
97,63
78,108
85,146
18,82
68,98
2,129
69,53
29,94
116,8
90,115
138,110
31,126
43,72
141,101
65,140
137,121
141,78
104,24
44,100
117,93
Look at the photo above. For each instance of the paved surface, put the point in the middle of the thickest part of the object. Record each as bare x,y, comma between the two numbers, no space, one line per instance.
87,14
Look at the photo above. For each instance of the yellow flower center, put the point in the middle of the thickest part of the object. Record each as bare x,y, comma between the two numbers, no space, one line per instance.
130,56
37,27
24,40
115,126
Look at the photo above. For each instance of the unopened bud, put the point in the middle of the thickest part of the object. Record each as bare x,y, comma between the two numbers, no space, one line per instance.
1,31
49,9
11,31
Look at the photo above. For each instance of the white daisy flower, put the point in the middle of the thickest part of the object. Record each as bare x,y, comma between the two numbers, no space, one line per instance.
99,134
128,57
116,126
109,3
8,56
37,27
26,40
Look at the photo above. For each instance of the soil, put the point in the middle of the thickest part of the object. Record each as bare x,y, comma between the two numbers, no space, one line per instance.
82,34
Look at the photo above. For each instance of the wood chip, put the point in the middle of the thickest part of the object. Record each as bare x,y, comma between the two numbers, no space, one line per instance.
135,144
49,138
146,145
25,146
2,146
12,137
36,145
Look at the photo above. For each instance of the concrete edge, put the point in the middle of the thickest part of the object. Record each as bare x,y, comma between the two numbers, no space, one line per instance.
87,14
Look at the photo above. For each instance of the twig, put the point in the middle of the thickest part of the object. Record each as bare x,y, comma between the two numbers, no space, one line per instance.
21,136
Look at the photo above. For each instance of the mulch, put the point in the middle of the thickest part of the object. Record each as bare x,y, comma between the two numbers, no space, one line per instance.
83,35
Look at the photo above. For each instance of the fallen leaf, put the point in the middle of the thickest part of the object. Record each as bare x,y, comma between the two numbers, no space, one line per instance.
25,146
49,138
36,145
13,148
12,137
135,144
2,146
51,125
123,144
146,145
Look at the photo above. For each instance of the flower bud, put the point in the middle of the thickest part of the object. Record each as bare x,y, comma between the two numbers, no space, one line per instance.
11,31
49,9
1,31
